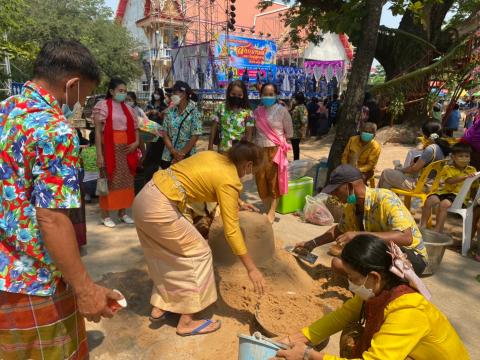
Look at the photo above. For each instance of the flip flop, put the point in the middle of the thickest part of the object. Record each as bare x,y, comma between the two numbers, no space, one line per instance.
197,330
160,318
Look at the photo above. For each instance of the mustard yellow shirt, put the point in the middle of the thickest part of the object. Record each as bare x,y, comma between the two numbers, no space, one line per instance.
362,156
412,327
450,171
207,177
383,211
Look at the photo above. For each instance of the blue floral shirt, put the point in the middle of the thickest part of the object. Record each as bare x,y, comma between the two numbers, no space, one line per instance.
38,169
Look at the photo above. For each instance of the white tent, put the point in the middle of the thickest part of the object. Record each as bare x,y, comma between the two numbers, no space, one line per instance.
329,49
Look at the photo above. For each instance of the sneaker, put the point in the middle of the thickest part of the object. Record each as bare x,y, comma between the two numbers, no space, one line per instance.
108,222
127,219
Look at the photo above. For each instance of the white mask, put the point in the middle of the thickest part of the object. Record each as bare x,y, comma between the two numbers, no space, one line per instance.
156,96
175,99
363,292
246,177
130,103
77,111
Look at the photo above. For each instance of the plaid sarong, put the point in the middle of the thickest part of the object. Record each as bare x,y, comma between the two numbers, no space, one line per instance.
36,327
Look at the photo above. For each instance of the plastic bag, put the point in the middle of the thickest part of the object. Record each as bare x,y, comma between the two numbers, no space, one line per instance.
315,210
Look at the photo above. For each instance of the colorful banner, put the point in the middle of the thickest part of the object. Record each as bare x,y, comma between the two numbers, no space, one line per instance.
254,55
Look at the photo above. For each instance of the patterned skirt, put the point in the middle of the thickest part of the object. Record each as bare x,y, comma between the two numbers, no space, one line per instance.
37,327
121,188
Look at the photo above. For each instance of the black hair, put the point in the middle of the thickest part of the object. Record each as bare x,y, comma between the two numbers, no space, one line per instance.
299,98
133,96
60,58
112,85
314,99
461,148
269,84
91,138
161,93
241,85
246,151
325,101
335,96
367,253
433,127
456,107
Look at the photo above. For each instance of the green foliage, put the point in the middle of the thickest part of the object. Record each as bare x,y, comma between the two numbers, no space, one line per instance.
397,106
88,21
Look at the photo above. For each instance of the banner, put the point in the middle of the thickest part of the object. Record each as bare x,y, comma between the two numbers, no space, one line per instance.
242,53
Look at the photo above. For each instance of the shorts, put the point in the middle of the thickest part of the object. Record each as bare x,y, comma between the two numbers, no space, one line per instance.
450,197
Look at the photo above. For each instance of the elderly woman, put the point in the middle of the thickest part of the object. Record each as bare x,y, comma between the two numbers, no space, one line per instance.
400,321
362,151
116,139
179,259
435,149
182,126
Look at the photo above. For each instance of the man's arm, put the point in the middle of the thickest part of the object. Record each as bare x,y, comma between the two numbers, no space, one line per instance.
60,240
329,236
401,238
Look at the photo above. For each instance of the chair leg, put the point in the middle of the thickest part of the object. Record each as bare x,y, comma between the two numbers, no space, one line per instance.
467,233
407,201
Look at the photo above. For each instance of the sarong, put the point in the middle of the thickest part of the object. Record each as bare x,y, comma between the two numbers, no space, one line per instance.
121,187
37,327
179,259
267,177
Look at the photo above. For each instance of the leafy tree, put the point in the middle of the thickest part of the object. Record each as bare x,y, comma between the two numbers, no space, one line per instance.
88,21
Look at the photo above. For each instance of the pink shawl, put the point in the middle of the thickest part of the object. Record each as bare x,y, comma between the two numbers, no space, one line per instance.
280,158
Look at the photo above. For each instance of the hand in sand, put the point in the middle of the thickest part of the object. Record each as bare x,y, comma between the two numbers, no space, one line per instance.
257,280
249,207
92,301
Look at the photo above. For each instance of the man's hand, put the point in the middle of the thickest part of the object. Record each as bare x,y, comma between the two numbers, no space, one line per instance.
345,238
92,301
309,245
132,147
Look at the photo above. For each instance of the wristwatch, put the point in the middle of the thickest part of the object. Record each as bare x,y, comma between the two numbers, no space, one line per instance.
306,353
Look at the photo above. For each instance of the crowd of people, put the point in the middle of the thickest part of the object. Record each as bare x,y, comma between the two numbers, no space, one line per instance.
377,245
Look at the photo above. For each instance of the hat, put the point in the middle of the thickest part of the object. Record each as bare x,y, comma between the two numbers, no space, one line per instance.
341,175
181,86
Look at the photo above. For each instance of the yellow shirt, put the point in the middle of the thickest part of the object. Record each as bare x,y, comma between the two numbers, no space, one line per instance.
207,177
383,211
412,327
360,155
450,171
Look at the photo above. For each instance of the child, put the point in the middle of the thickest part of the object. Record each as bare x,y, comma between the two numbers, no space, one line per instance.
452,177
89,159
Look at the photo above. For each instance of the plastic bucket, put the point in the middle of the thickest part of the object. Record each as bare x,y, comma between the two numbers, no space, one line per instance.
254,349
435,244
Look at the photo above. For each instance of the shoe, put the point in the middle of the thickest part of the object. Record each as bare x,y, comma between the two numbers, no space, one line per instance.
127,219
108,222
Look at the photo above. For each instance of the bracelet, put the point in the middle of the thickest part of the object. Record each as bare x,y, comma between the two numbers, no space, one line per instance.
306,353
315,242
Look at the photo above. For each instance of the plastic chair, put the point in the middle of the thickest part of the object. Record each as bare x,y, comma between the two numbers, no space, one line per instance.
419,191
466,212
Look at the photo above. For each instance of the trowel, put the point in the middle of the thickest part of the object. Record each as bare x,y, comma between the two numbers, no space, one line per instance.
302,254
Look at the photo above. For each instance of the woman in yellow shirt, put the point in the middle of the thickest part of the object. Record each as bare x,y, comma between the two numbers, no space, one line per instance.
400,323
179,259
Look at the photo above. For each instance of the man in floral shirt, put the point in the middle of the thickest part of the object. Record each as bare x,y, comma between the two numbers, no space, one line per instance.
43,283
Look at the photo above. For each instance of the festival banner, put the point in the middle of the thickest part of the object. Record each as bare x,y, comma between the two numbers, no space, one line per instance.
244,53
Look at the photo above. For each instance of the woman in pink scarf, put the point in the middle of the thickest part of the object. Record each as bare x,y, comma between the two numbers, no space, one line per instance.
274,129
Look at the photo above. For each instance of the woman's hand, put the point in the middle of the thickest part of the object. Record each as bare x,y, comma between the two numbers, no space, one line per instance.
132,147
257,280
244,206
100,161
295,353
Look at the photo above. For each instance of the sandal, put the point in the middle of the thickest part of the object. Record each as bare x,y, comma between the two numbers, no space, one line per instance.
197,330
161,318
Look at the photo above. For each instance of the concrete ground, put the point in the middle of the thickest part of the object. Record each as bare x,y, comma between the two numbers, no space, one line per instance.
454,288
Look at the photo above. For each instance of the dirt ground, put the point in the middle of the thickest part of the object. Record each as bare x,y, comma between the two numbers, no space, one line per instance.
296,293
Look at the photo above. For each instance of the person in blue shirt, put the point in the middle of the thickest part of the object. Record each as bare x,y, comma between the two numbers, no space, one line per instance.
453,121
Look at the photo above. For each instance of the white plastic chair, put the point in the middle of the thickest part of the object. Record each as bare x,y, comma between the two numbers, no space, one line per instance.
467,212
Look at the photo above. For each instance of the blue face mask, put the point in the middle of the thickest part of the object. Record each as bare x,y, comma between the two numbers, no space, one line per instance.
366,136
269,100
352,198
67,112
120,97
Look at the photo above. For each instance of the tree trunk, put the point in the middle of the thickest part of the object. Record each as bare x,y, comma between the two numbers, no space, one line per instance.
358,79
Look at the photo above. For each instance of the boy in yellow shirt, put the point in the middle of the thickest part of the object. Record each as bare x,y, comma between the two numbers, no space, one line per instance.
452,177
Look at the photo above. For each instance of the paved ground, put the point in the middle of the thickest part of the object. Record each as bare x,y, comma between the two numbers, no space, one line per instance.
454,288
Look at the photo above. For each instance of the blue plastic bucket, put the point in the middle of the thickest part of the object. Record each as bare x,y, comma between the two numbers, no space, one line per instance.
254,349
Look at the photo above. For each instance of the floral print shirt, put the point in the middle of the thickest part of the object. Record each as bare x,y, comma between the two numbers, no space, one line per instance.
191,126
299,121
39,154
232,124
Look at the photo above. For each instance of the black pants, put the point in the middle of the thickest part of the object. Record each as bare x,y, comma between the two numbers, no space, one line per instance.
296,148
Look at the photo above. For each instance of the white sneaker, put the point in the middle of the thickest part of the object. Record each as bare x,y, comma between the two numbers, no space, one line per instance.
127,219
108,222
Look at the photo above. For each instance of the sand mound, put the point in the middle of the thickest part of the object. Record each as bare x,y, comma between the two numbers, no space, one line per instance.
401,134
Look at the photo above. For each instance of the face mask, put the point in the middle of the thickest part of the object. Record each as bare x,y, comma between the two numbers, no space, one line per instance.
246,177
77,111
236,101
269,100
156,96
366,136
363,292
352,198
130,103
120,97
175,99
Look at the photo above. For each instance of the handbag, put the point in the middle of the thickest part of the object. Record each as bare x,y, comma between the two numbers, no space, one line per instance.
102,184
